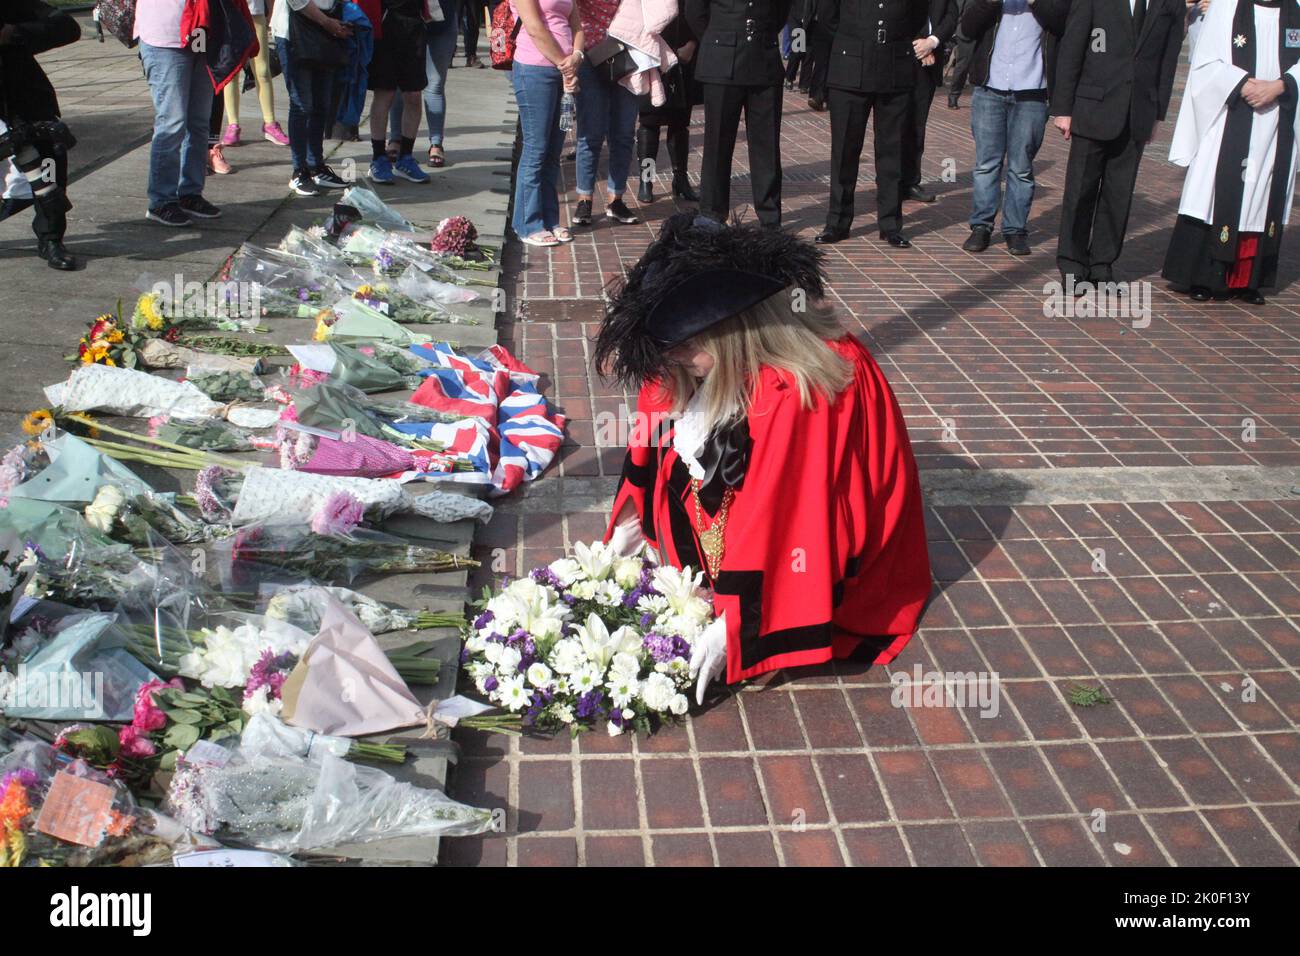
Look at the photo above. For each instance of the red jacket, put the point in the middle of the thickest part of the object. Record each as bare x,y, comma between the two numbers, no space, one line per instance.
223,31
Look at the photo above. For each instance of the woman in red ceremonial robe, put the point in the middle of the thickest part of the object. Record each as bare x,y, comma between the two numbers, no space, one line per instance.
768,450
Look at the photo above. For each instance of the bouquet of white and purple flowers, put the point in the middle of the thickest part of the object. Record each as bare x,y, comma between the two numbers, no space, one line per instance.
590,639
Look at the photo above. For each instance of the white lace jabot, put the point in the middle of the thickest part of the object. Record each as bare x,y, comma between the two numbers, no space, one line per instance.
689,435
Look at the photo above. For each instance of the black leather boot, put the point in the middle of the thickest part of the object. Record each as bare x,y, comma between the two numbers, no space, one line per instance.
679,148
56,255
647,147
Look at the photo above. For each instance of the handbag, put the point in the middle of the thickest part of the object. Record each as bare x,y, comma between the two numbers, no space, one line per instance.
118,18
311,46
502,36
611,59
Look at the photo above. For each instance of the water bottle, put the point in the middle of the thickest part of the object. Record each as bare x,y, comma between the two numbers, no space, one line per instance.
568,109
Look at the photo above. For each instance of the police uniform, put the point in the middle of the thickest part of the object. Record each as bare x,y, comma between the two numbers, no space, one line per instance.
872,68
739,66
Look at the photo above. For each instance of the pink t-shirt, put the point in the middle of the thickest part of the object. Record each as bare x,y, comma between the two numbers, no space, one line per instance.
158,22
556,14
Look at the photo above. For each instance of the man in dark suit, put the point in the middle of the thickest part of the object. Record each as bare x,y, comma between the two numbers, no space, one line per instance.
739,66
1107,100
872,68
929,48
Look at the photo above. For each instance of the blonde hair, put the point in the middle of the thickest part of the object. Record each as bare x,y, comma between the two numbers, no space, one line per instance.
770,333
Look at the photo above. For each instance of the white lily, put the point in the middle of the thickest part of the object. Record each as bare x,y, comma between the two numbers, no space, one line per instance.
600,645
595,559
680,589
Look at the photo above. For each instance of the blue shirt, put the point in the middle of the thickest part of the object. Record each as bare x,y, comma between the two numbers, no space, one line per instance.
1017,60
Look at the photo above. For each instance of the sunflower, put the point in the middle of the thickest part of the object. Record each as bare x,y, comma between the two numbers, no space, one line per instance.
38,421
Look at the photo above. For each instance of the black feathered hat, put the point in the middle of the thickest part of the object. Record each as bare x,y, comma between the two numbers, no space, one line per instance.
697,273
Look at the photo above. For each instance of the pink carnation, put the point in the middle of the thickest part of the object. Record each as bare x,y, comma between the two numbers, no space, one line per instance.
340,513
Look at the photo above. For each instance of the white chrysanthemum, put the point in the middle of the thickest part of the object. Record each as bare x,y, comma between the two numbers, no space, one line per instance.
625,664
600,645
261,702
584,590
492,651
566,570
512,694
509,660
480,670
679,704
655,604
562,712
596,559
627,572
539,675
567,656
622,689
101,512
679,624
608,594
658,691
585,680
476,643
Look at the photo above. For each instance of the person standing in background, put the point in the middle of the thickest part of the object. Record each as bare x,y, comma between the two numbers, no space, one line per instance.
311,96
548,50
1107,101
607,112
962,48
440,44
399,63
271,131
182,95
929,51
1012,67
471,16
872,69
739,66
683,94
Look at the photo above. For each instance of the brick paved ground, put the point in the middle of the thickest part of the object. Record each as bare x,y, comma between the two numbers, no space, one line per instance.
1109,505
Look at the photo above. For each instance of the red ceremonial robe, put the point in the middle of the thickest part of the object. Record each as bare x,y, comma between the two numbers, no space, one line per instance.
825,552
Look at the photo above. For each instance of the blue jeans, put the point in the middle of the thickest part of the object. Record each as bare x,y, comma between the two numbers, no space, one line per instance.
182,107
439,51
310,93
605,110
1010,130
537,92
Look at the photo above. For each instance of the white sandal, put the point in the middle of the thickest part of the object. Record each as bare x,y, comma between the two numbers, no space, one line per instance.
562,234
543,238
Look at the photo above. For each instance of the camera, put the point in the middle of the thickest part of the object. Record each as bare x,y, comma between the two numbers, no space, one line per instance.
34,147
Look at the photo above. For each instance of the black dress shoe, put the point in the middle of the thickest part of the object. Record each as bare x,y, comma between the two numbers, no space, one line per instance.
953,103
682,190
919,193
1251,297
978,240
645,192
1018,245
816,105
896,239
55,255
1199,293
829,236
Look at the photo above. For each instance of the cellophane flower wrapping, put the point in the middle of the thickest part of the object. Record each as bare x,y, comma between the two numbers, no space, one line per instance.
375,210
305,605
123,833
591,640
273,797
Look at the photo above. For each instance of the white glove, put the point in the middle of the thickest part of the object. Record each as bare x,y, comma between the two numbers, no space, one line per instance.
628,540
709,656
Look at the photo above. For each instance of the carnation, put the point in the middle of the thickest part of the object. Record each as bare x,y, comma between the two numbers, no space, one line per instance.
658,692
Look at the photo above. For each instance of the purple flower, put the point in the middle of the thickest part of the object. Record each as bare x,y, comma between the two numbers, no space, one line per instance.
664,647
646,620
490,684
546,576
340,513
483,620
590,704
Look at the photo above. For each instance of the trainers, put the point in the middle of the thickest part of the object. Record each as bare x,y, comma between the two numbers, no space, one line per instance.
326,178
198,207
582,213
619,212
217,160
272,133
231,136
169,214
410,170
381,171
303,183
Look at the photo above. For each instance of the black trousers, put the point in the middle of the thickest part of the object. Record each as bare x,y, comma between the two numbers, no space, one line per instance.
850,111
1095,205
963,51
819,48
722,108
927,80
678,123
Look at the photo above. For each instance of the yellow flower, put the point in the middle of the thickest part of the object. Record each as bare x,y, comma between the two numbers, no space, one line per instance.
38,421
115,336
147,309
